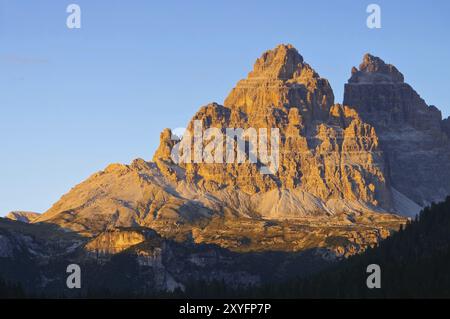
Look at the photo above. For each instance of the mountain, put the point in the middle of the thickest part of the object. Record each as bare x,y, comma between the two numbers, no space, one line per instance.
24,217
330,181
279,181
412,135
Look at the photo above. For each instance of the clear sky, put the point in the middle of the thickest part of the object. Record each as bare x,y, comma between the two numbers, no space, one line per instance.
72,101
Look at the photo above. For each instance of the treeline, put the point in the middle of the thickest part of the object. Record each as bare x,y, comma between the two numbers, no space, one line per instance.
414,262
10,290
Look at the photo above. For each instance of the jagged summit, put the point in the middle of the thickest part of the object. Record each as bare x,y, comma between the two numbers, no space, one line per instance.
386,100
413,135
375,70
282,79
280,63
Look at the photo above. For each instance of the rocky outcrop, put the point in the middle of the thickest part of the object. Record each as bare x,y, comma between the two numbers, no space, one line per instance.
412,134
24,217
117,240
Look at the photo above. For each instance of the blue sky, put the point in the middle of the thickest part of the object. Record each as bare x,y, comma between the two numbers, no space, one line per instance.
72,101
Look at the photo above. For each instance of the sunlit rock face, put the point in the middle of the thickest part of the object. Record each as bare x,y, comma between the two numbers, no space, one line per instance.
281,80
325,148
412,134
116,240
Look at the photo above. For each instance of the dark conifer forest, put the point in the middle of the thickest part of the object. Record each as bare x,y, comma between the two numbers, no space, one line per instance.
415,263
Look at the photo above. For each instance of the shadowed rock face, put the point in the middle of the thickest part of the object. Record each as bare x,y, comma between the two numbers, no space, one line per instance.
446,126
412,134
24,217
374,70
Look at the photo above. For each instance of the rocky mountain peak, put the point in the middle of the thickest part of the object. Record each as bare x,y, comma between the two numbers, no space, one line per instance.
375,70
280,63
412,133
282,79
328,165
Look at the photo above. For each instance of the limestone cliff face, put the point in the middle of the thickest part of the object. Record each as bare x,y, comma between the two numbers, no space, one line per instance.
281,80
117,240
412,134
325,149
